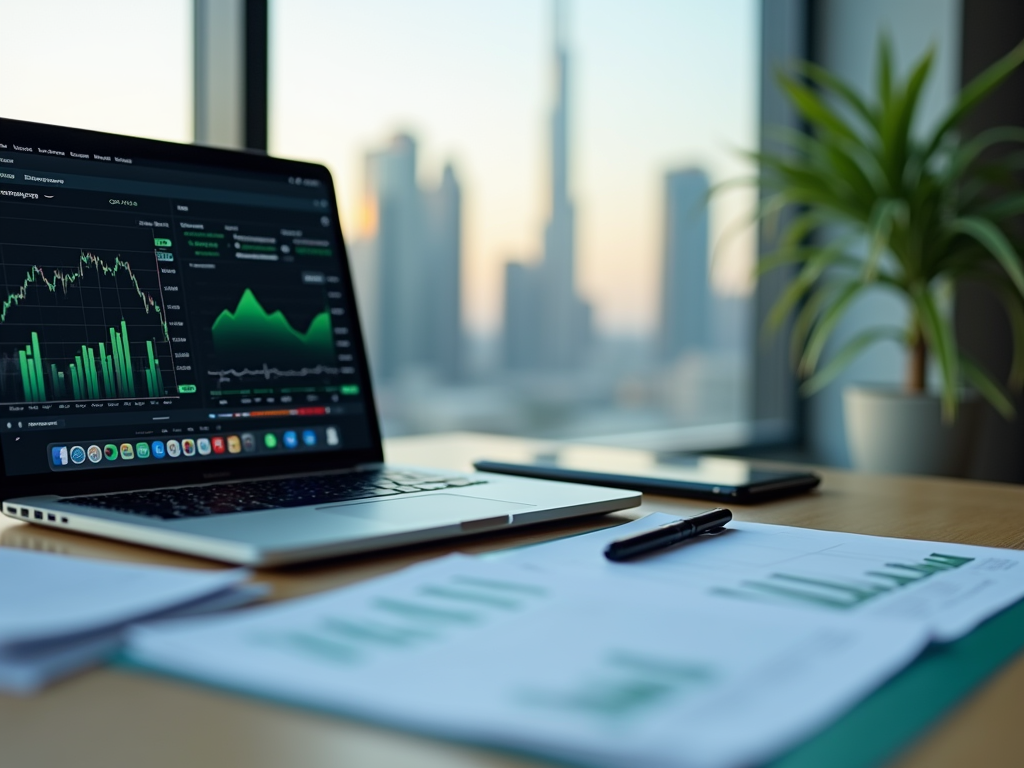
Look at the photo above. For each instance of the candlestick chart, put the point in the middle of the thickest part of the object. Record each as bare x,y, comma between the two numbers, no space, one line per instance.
80,324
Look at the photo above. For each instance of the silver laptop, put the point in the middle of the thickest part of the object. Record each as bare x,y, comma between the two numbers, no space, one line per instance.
181,362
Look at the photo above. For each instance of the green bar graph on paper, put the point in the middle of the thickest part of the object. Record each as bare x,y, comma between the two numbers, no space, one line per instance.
103,370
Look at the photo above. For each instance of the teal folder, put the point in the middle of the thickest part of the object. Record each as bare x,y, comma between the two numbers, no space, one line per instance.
899,712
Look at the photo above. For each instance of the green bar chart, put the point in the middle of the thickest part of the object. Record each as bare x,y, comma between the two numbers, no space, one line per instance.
79,325
94,372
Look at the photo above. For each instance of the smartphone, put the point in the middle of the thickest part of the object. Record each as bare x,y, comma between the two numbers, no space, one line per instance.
693,477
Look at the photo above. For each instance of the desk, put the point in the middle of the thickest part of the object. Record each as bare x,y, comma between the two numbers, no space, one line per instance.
110,718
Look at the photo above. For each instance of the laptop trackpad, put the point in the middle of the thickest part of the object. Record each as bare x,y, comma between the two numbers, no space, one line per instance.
427,511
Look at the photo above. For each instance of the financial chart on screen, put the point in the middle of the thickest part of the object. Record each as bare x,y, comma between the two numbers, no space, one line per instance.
158,313
83,313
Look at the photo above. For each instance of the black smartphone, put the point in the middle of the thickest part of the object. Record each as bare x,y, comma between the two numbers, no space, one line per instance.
693,477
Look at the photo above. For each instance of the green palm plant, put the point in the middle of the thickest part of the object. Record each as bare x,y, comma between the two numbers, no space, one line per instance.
879,204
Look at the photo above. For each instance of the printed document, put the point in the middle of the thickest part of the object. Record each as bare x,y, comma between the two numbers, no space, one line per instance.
949,588
583,667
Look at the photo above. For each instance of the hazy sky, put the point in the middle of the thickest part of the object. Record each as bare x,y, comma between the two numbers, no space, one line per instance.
656,84
110,65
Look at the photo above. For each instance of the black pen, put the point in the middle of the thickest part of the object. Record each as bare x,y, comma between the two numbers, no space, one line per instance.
667,535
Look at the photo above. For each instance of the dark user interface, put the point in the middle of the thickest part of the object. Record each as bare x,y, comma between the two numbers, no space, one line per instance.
156,313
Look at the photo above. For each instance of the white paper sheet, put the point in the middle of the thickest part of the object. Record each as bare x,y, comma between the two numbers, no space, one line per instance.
950,588
47,596
587,668
28,667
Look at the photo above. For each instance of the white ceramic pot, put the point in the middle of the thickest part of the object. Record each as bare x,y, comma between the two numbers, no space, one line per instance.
890,431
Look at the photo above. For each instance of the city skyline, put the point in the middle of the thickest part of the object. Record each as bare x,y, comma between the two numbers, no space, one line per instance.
638,112
344,74
458,96
547,324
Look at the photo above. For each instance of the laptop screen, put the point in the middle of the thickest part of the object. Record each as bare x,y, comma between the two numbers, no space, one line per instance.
155,310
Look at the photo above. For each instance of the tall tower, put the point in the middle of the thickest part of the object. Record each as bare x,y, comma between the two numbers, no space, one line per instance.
441,286
417,246
391,185
686,289
547,325
566,317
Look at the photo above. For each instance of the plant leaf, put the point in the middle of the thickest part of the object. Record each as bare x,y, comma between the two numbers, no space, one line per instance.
939,336
879,228
988,388
884,71
968,152
814,109
847,353
995,242
802,283
976,90
827,324
1013,304
896,122
827,80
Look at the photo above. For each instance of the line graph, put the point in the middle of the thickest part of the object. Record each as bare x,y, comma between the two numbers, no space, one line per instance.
63,279
82,323
270,374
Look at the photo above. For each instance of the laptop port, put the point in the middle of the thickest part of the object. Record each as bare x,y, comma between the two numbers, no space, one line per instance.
24,512
64,520
52,518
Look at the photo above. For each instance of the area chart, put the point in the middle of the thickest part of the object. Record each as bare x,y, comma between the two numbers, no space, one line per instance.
253,343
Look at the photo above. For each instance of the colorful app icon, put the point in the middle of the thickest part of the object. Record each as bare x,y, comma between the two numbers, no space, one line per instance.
308,437
142,450
270,440
110,452
173,449
234,444
203,446
95,454
218,444
77,455
248,442
332,436
188,446
290,439
127,452
158,449
59,454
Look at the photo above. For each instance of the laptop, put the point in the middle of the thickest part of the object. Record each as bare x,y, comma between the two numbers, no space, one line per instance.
182,366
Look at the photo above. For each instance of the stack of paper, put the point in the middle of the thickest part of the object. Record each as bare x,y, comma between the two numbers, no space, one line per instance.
61,614
719,654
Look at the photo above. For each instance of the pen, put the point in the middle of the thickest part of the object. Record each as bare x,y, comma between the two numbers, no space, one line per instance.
667,535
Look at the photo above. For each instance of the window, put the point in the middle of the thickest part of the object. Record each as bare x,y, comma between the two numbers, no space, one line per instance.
117,65
523,191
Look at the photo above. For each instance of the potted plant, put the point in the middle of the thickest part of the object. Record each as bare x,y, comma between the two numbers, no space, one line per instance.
877,203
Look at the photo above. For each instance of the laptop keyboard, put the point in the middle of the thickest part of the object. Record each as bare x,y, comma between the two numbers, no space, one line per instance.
255,495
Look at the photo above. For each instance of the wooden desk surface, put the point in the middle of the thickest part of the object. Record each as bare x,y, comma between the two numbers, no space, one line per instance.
115,719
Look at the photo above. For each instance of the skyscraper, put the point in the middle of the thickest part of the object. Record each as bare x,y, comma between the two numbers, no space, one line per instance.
686,288
417,249
443,230
547,302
